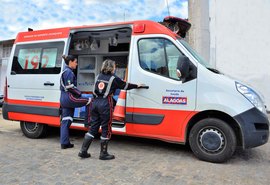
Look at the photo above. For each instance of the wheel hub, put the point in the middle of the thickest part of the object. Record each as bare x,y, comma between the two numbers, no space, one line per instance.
211,140
31,127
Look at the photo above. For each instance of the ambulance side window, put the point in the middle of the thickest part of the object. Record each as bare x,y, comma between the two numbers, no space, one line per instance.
152,56
159,56
40,58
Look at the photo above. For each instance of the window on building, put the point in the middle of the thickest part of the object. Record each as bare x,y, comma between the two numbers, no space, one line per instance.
6,50
42,58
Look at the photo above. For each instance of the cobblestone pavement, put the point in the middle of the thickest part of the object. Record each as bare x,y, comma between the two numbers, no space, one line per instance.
138,161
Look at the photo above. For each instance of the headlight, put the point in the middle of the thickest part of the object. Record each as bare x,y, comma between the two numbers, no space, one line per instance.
251,95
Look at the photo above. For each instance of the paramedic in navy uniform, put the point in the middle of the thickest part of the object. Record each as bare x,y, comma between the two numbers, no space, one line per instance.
102,108
70,99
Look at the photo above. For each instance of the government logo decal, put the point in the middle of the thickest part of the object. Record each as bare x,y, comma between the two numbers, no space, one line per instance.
174,100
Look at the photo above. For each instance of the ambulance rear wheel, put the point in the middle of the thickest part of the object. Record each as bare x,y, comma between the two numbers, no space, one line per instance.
212,140
33,130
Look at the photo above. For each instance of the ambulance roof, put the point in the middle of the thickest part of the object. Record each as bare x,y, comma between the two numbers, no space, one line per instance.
140,27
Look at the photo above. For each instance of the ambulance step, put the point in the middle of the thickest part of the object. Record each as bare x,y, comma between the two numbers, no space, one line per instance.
117,124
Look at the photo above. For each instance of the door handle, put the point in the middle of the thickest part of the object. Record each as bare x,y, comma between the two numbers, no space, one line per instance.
144,87
49,84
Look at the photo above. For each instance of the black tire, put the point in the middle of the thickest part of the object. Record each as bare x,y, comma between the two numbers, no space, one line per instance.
212,140
33,130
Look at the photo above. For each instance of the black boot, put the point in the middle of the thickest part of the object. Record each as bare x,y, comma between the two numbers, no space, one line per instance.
63,146
86,144
104,155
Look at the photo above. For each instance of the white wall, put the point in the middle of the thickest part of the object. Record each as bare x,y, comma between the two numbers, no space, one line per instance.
3,69
240,41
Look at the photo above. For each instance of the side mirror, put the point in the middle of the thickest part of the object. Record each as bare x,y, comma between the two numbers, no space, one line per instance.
183,66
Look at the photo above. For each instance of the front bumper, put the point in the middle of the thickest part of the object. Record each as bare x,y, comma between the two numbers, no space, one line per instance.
254,127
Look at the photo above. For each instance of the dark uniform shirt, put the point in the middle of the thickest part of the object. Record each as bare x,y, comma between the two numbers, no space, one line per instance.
69,82
106,84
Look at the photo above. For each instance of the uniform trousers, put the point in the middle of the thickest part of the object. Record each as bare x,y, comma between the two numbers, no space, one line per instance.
68,103
101,115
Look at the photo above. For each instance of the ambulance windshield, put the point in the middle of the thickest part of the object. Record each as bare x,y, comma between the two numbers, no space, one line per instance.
200,59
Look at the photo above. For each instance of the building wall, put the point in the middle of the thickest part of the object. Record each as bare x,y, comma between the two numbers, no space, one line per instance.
239,35
239,41
5,50
199,35
3,69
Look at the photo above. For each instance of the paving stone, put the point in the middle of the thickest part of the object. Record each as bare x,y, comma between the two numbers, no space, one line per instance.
27,161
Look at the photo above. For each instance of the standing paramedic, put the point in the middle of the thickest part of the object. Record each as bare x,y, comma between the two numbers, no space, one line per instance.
70,99
102,108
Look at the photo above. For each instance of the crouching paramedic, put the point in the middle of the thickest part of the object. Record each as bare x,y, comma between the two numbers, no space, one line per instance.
102,108
70,99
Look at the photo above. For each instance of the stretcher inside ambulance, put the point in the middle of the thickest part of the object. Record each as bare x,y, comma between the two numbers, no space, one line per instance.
203,108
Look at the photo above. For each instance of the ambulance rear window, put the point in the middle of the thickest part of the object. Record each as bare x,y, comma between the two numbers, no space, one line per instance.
40,58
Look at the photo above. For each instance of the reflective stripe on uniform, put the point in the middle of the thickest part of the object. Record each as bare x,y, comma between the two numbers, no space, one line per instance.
61,80
90,135
67,118
126,86
89,101
104,138
95,85
103,81
69,86
108,87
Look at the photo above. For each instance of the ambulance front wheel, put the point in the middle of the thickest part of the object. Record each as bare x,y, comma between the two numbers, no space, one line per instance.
33,130
212,140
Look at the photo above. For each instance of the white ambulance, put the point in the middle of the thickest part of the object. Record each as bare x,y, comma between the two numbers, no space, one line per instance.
205,109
